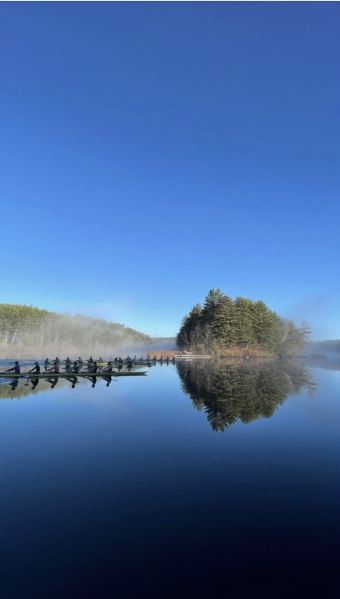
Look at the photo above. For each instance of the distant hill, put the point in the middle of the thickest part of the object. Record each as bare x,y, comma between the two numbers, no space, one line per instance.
30,329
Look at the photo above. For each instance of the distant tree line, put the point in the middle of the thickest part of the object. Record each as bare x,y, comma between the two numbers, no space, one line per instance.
241,392
241,323
29,327
328,345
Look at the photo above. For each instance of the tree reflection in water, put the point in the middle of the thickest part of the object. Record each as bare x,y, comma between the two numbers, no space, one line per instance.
229,391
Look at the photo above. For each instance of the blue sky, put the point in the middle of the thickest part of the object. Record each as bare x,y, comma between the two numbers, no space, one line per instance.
152,151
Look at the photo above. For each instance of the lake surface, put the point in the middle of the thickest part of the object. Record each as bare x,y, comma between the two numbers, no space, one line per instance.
198,480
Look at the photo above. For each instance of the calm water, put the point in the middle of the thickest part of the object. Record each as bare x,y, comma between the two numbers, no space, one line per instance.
199,480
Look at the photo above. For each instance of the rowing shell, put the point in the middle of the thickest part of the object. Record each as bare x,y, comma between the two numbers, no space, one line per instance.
52,375
115,364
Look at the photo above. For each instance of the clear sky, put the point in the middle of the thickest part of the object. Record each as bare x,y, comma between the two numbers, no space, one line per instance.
153,151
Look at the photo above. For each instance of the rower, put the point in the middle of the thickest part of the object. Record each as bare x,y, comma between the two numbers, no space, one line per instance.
154,359
75,367
54,369
92,367
116,360
120,360
141,358
36,369
57,360
47,361
16,368
90,360
100,359
80,360
68,361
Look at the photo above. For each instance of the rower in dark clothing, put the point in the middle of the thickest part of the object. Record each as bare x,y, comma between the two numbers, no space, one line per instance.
36,369
90,360
120,360
68,361
16,368
47,361
92,367
75,367
80,361
100,359
57,360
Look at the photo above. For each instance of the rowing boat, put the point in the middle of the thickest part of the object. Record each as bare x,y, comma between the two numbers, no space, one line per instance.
85,363
52,375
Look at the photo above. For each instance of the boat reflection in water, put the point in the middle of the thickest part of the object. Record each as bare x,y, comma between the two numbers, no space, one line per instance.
231,391
20,388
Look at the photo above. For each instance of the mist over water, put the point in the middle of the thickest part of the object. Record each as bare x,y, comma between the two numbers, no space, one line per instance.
74,351
29,331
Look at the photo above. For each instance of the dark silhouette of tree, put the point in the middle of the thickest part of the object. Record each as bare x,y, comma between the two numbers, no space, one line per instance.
231,392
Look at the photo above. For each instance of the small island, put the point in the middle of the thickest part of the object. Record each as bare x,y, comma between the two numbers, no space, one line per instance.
240,327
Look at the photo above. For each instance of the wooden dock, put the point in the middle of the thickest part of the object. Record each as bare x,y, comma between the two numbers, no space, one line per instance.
189,356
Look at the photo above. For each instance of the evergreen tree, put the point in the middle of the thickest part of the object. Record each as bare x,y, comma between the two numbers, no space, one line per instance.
244,322
224,323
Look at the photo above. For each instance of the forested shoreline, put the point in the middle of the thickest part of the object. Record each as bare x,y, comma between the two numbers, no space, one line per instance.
240,326
34,329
